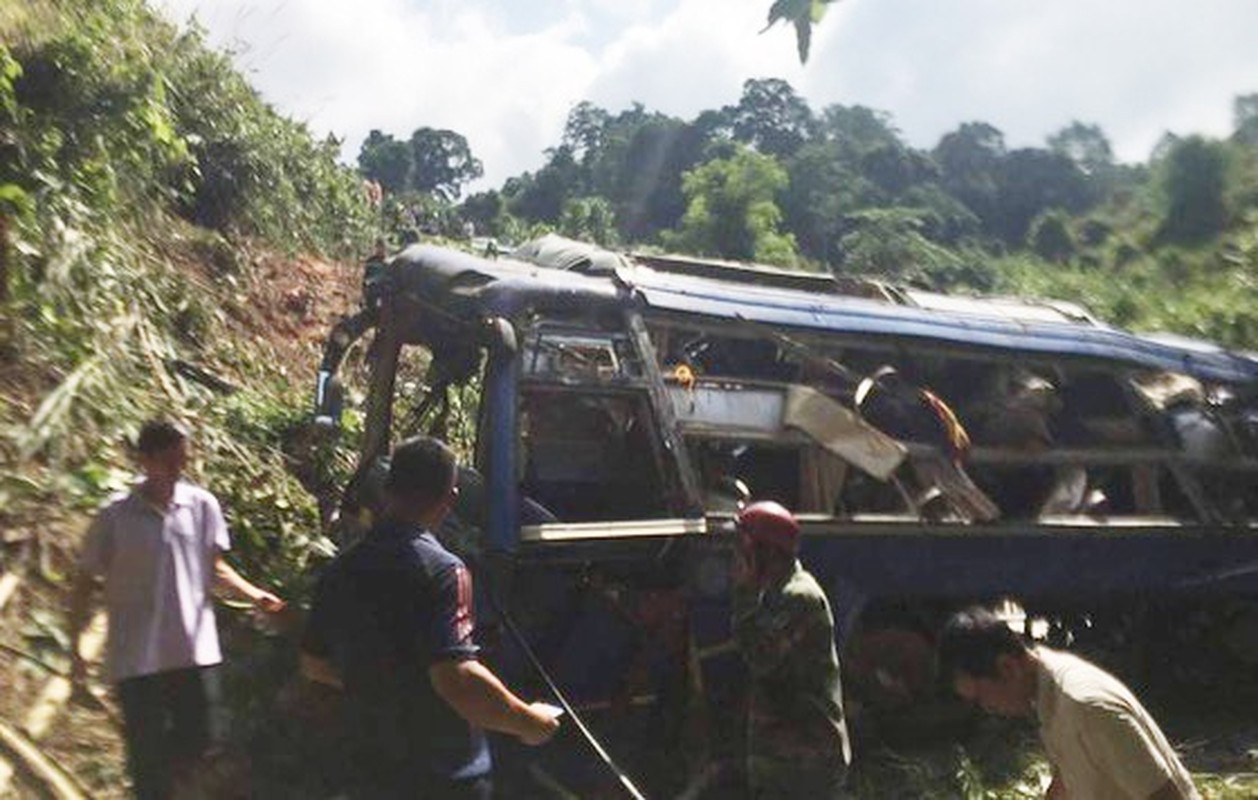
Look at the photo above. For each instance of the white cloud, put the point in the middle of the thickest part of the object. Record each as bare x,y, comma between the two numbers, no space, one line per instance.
696,57
1136,67
348,68
504,73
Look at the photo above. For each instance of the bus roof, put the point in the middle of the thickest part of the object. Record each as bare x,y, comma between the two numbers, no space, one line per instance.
463,283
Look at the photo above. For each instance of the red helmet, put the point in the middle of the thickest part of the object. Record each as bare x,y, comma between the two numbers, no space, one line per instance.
770,523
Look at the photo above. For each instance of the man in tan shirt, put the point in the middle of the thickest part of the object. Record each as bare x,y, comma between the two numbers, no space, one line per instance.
1101,742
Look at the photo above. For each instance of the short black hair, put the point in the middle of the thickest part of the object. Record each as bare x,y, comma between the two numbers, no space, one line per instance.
422,471
972,640
159,434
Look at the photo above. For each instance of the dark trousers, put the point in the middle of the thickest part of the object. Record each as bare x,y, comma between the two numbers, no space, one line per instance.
478,789
421,789
171,720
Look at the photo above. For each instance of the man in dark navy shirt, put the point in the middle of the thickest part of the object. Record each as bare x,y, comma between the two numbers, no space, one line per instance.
392,624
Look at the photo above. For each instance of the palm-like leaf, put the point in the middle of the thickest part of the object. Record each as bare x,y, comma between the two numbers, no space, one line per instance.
803,14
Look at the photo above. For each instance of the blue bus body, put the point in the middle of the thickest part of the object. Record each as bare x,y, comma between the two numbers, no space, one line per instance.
618,396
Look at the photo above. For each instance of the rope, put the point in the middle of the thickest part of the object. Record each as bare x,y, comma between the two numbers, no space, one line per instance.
599,750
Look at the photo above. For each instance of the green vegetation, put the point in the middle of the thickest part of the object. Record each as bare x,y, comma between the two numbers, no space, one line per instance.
1168,245
730,210
802,14
138,172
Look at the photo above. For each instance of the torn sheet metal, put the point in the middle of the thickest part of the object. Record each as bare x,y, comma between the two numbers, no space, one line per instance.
840,431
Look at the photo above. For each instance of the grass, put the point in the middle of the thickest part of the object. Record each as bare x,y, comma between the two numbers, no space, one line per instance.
1002,760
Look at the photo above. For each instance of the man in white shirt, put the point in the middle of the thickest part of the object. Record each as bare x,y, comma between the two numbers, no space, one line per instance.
159,550
1101,742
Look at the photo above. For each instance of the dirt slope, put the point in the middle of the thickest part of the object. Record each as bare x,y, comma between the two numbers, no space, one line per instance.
283,309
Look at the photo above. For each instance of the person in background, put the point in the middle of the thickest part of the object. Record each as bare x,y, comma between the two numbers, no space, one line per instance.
1100,740
159,550
392,625
797,740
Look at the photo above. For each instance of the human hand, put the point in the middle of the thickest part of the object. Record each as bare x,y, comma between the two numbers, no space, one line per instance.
271,604
543,724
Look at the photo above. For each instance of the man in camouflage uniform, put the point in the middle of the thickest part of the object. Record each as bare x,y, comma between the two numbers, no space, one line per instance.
797,743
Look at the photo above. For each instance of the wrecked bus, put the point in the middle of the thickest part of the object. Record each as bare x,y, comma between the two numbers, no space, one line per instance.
937,449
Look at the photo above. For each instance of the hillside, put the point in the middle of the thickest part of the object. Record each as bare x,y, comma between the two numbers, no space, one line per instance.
268,341
170,245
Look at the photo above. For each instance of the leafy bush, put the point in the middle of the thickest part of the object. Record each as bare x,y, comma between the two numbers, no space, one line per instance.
731,212
115,108
112,123
890,243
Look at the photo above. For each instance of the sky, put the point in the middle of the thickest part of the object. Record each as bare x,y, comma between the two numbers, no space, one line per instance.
505,73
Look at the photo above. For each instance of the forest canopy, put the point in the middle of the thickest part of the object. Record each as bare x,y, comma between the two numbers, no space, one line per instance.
771,179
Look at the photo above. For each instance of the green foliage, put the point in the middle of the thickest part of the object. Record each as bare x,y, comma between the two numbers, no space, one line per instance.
116,110
486,211
111,123
443,162
1050,237
771,117
857,198
970,160
387,161
589,219
889,243
1034,181
1245,119
1085,145
633,159
731,211
432,162
256,172
274,521
1199,292
821,192
1194,176
854,162
540,197
998,762
802,14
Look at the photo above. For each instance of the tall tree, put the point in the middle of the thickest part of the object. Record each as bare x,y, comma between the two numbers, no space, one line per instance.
541,197
1050,237
484,210
584,131
635,160
1086,145
442,162
895,169
648,191
1033,181
1245,119
731,210
857,129
387,161
824,188
772,118
1194,177
970,160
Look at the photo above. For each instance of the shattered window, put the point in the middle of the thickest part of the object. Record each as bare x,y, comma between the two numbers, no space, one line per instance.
591,457
579,356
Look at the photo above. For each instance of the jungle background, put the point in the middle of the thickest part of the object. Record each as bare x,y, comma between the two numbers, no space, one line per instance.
169,242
